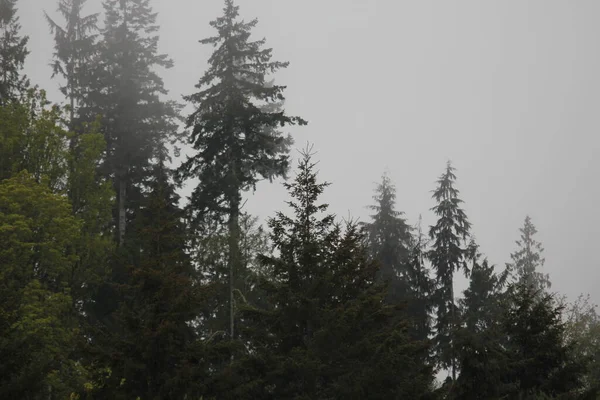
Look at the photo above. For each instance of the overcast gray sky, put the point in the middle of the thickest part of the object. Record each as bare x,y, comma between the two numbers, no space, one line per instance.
507,90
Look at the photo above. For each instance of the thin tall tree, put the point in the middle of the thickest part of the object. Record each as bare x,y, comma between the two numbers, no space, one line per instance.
233,128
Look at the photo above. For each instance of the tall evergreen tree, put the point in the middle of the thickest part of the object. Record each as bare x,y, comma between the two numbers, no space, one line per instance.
150,349
232,131
13,51
74,51
389,237
480,339
126,92
527,260
447,256
540,360
420,285
400,256
327,332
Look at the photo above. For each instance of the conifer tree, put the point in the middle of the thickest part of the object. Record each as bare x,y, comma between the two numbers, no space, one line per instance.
126,91
420,285
151,346
527,260
232,131
540,360
388,237
327,332
480,339
400,256
447,256
74,51
13,51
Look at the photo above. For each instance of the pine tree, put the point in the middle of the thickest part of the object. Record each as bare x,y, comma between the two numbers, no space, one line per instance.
13,51
528,260
447,256
327,332
233,133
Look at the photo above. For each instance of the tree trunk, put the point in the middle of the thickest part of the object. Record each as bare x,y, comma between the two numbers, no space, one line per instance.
121,211
452,330
234,259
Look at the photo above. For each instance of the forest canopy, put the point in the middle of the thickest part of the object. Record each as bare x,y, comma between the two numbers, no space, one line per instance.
112,286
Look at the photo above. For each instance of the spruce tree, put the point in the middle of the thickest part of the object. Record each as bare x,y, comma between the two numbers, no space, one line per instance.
74,51
327,332
389,237
480,339
126,92
540,360
447,256
150,349
13,51
400,256
232,131
527,260
420,285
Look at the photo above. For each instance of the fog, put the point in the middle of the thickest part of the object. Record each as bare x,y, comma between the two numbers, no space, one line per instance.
509,91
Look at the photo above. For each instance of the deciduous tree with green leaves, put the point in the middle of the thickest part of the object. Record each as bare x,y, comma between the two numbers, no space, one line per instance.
38,323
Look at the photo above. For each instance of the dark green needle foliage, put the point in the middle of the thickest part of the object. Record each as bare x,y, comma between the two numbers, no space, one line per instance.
540,360
389,237
74,51
327,332
480,341
231,129
126,92
527,260
151,346
400,257
13,51
447,256
234,129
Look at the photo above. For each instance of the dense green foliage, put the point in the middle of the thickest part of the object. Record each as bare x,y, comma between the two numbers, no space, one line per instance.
111,288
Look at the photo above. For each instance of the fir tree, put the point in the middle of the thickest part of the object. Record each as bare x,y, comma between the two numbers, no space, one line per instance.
420,285
13,51
540,361
480,339
327,332
528,260
233,132
447,256
388,237
74,51
151,346
126,92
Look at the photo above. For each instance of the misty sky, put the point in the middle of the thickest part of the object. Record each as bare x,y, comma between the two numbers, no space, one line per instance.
507,90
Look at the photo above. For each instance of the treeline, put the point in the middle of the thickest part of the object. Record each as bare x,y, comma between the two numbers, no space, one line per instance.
110,289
